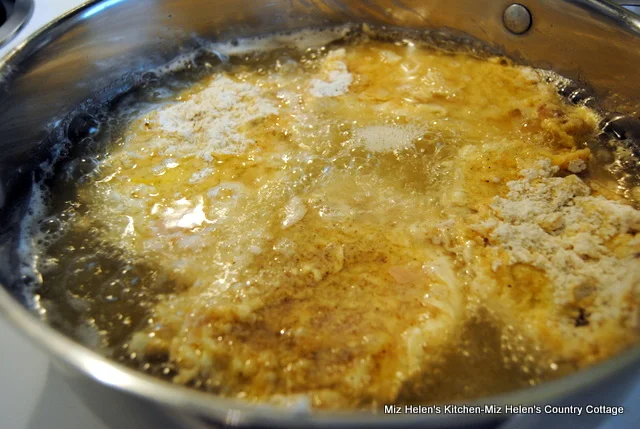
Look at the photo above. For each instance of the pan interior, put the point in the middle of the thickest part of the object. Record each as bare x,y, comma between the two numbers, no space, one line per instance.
342,219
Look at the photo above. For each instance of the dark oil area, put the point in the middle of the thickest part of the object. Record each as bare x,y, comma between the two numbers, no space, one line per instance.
490,358
92,292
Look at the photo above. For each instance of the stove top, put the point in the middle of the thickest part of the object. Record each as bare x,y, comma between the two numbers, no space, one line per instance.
34,396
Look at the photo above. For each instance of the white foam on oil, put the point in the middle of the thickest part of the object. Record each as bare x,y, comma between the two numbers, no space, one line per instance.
31,242
301,40
386,138
6,73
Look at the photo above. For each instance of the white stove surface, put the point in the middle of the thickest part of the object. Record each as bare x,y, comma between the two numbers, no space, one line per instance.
33,396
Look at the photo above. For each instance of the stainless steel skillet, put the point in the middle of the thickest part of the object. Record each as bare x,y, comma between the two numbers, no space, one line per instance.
51,82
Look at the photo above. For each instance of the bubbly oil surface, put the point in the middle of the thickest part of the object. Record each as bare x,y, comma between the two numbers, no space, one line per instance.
321,225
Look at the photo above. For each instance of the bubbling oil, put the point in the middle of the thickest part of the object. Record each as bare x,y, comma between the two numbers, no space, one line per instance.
270,224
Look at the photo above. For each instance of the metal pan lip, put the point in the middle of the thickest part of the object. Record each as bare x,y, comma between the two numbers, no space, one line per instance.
82,360
18,17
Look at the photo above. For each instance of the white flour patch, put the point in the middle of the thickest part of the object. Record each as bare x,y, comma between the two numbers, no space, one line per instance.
555,225
336,77
209,121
